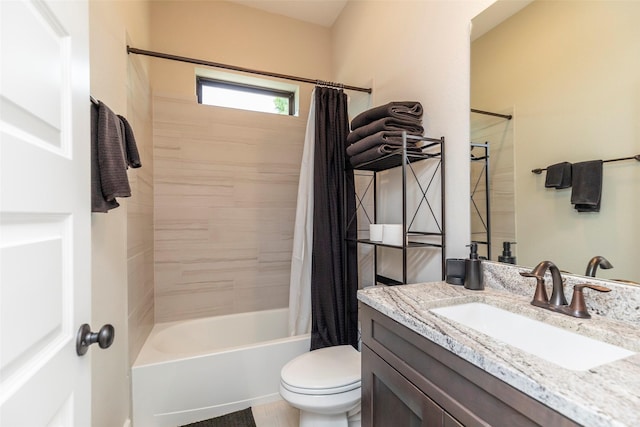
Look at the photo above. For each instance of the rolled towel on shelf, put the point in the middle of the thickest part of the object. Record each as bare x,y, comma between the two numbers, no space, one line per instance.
407,110
586,182
558,176
412,127
382,137
379,151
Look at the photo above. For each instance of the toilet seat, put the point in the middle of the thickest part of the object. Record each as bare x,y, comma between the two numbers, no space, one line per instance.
321,391
330,370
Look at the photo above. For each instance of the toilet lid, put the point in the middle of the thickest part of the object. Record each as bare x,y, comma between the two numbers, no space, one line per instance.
325,371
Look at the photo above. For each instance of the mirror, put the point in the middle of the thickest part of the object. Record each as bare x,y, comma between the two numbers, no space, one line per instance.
568,72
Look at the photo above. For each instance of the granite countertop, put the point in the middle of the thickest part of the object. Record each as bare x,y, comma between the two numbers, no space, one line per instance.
607,395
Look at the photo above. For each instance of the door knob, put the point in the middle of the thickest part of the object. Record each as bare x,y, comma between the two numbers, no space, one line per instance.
104,337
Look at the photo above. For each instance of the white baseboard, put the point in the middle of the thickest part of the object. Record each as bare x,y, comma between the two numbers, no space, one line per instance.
127,423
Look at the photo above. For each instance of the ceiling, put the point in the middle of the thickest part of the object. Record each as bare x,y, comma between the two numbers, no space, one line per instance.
494,15
320,12
325,12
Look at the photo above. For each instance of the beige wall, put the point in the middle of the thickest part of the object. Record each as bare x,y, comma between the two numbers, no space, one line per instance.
122,239
228,33
226,180
417,51
570,72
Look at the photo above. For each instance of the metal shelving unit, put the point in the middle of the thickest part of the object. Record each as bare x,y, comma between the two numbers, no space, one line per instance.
431,150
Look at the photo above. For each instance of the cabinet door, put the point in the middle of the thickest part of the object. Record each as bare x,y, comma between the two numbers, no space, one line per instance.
449,421
389,399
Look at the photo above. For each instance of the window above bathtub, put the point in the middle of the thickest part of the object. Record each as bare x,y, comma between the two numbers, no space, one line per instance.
246,93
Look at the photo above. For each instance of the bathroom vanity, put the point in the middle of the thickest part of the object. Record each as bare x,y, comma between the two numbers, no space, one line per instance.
421,368
405,374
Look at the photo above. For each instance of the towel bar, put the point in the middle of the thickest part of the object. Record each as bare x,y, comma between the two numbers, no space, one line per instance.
636,157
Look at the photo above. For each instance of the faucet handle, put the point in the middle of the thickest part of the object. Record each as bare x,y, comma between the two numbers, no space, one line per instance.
540,298
578,308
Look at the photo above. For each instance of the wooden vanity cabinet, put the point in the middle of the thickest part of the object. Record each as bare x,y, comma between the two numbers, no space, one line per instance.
409,381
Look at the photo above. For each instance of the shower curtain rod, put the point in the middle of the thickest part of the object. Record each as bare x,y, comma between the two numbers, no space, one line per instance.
242,69
489,113
636,157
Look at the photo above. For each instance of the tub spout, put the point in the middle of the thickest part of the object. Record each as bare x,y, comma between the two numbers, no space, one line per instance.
594,263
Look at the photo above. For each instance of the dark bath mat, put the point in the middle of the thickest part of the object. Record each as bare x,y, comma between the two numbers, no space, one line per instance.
242,418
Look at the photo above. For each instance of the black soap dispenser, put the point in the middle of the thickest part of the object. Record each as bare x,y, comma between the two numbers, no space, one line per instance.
473,270
506,253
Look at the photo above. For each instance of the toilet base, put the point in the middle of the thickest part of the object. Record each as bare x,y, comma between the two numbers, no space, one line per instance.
310,419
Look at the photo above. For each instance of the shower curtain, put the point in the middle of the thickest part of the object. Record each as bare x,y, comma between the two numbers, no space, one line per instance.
324,269
300,281
334,274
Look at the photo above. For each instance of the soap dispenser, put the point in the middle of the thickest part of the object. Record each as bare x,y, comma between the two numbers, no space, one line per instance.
506,253
473,270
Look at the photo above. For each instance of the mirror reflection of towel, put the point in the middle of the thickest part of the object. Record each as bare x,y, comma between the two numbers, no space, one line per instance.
586,181
558,176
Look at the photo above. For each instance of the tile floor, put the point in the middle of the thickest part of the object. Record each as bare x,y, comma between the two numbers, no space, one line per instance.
276,414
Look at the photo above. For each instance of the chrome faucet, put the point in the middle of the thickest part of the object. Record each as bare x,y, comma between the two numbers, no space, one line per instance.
558,302
594,263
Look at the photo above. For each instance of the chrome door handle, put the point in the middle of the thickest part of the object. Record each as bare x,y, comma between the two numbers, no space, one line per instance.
104,337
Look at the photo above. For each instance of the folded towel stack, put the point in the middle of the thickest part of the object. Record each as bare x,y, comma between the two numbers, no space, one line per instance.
378,131
113,150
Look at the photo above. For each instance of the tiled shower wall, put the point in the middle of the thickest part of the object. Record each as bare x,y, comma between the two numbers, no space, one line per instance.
225,190
140,210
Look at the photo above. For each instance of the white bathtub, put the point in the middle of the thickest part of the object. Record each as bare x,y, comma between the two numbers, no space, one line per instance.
197,369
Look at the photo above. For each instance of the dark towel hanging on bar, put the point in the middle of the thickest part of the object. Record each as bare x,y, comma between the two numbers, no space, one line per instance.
538,171
558,176
586,192
113,150
585,178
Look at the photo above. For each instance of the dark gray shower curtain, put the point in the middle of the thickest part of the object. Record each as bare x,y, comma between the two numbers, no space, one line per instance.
334,265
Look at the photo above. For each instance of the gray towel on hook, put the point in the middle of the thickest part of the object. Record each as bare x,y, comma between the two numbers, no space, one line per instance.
558,176
412,127
408,110
586,181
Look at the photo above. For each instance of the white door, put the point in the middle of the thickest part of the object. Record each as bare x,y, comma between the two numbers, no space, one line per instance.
44,212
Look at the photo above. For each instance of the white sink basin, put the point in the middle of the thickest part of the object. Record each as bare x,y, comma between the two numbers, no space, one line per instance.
564,348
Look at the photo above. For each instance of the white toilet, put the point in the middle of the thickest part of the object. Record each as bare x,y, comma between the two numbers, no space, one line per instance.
324,385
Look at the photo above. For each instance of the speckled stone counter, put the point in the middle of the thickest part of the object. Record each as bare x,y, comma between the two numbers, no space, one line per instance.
608,395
